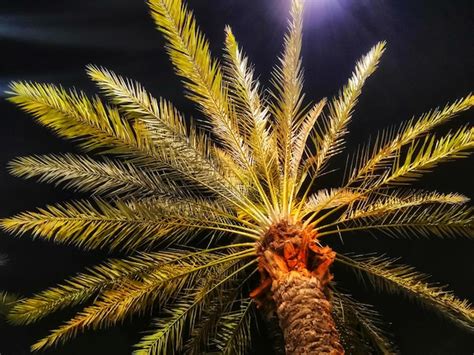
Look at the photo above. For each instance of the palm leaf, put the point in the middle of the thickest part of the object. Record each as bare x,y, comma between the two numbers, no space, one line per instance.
101,277
442,220
234,335
168,333
328,138
287,79
106,177
360,326
123,225
369,160
191,57
386,275
136,297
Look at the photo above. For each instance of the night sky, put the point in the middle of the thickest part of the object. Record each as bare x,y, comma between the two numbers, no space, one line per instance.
429,62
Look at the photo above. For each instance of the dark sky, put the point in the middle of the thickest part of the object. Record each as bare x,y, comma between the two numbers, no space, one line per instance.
428,63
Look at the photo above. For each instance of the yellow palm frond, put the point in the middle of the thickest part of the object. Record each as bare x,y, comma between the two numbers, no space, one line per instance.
137,296
360,326
288,83
399,199
72,115
253,115
386,275
106,177
107,275
189,52
426,154
300,139
125,225
167,335
234,329
442,220
165,125
328,138
369,160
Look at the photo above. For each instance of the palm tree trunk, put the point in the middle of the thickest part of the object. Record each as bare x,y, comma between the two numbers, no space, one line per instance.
305,316
294,271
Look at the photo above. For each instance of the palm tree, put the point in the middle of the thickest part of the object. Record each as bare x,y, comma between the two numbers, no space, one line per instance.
221,220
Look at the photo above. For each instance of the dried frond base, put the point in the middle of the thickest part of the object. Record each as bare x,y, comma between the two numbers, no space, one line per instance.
294,272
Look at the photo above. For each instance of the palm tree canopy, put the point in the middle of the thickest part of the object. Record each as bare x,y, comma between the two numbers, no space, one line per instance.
188,205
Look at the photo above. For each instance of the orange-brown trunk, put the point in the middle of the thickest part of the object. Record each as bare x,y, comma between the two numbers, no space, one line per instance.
294,272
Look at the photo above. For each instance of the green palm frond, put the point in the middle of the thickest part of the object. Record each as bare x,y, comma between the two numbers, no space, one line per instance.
386,275
361,327
328,138
125,225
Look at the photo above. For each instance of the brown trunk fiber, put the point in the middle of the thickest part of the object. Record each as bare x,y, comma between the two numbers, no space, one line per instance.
294,270
305,316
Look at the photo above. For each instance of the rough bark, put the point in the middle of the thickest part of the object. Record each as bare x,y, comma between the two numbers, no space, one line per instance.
305,316
294,271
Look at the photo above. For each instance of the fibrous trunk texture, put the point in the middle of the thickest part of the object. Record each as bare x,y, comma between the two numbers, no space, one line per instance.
294,271
305,316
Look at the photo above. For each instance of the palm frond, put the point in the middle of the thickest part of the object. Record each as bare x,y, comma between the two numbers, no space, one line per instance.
300,139
98,278
7,302
386,275
442,220
124,225
168,333
379,205
166,126
253,115
368,160
189,52
330,198
287,79
136,296
426,154
360,327
107,177
72,115
328,138
234,335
